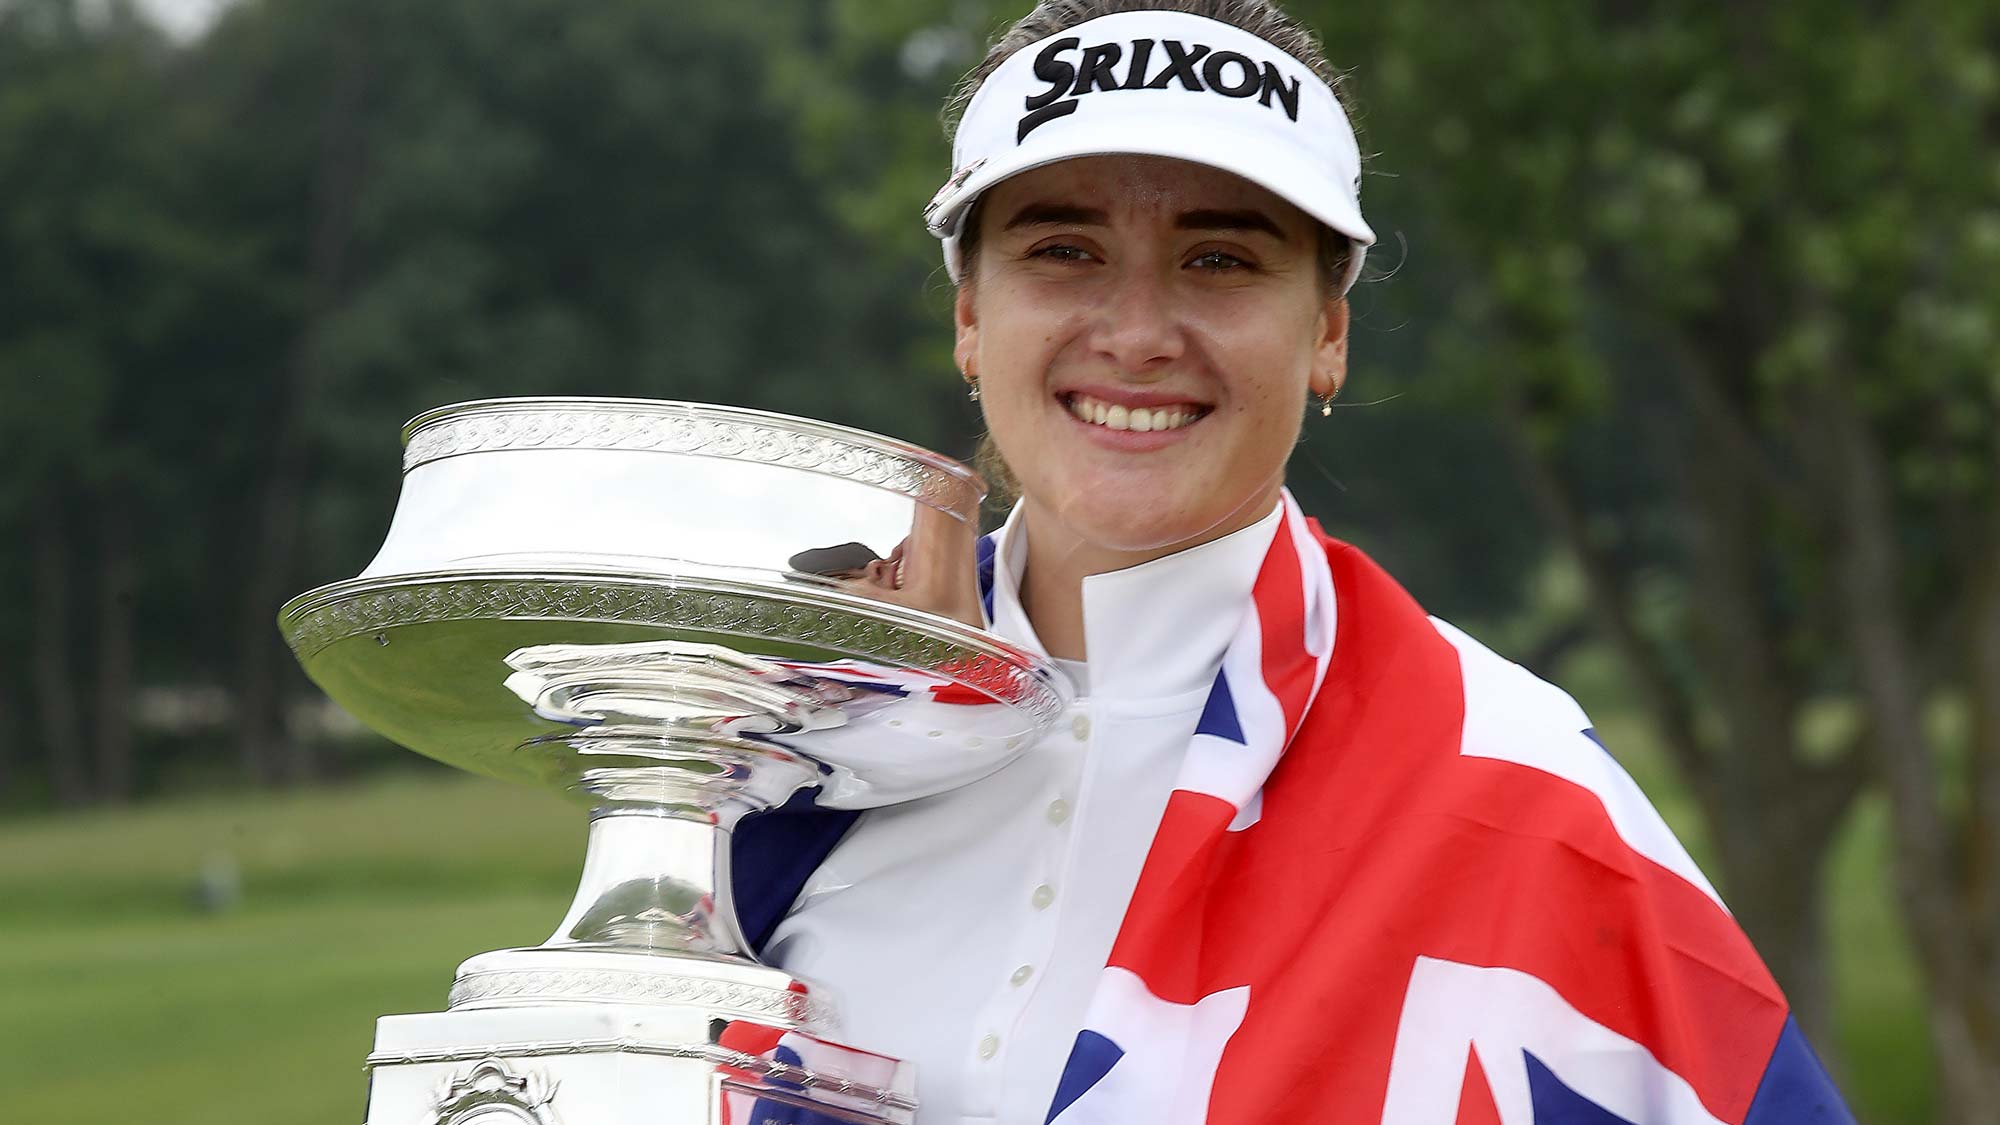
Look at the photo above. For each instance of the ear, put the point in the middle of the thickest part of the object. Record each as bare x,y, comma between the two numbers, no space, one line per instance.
1329,362
965,321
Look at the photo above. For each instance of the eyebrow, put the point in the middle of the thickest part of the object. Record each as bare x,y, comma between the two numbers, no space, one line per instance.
1056,214
1064,214
1229,220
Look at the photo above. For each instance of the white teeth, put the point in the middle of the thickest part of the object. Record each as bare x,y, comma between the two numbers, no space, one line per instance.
1138,419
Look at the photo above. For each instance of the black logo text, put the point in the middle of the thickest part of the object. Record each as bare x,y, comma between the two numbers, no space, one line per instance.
1195,67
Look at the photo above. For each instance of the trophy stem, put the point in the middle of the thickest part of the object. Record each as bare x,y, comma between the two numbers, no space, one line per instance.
656,879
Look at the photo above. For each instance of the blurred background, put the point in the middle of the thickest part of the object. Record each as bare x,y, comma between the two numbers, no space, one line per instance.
1676,382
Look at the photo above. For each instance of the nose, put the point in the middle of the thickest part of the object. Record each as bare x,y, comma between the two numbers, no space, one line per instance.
1137,326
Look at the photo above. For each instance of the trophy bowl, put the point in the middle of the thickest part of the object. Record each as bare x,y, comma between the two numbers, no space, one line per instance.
668,613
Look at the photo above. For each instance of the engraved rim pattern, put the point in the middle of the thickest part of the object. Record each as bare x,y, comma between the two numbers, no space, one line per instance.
619,986
330,614
698,430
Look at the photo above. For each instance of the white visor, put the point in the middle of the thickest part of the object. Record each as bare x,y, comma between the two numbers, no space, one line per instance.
1159,84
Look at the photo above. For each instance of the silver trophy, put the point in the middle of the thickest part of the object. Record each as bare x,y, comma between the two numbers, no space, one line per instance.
669,613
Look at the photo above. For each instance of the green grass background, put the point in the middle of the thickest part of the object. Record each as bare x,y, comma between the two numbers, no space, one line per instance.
120,1001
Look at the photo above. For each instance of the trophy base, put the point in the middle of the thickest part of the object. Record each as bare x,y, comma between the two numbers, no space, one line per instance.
614,1064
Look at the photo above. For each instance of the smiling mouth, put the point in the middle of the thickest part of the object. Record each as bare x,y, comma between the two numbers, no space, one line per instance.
1139,419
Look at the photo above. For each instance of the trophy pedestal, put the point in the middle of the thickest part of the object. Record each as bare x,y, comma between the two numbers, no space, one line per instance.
622,1064
645,1006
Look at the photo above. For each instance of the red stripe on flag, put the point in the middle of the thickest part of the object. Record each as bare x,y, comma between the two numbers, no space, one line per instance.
1279,595
1475,1095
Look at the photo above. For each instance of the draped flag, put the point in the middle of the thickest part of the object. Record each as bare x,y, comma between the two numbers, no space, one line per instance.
1400,880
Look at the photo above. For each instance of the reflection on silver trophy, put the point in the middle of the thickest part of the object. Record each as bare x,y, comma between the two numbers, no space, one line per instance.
662,611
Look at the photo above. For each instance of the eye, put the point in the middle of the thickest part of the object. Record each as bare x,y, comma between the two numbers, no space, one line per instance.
1218,260
1062,252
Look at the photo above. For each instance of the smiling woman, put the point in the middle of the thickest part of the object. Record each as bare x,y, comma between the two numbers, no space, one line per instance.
1300,852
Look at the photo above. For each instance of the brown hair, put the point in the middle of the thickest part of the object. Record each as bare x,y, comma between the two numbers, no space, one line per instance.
1262,18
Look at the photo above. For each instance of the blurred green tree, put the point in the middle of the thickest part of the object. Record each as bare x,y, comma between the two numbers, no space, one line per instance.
233,267
513,196
106,308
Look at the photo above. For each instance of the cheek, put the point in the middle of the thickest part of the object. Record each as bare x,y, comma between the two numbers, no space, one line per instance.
1267,428
1019,339
1270,362
1013,362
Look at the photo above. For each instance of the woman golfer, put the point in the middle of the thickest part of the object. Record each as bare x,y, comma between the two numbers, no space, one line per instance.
1299,853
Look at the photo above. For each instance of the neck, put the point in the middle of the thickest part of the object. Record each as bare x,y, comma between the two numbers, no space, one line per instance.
1052,585
1059,559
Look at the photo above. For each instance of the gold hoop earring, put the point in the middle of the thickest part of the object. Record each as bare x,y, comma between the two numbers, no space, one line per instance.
1326,401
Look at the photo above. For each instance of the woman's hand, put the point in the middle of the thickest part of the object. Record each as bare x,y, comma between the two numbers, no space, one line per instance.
934,570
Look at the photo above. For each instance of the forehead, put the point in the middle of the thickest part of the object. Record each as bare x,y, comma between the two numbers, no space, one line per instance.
1137,189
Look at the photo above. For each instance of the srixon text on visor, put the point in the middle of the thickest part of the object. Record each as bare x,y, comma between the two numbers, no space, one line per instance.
1194,66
